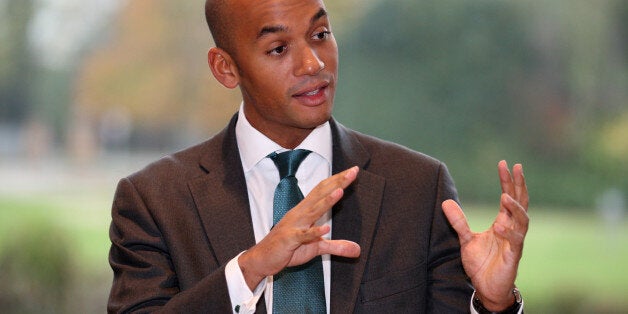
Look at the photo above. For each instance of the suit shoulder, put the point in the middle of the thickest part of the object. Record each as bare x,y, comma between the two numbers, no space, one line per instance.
390,152
174,167
404,168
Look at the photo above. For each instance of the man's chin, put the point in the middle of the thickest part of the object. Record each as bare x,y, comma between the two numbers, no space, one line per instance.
316,120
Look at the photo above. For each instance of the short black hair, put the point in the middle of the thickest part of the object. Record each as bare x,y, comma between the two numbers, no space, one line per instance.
219,23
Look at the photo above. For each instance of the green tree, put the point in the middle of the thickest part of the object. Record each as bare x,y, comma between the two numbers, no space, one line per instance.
440,77
472,82
16,62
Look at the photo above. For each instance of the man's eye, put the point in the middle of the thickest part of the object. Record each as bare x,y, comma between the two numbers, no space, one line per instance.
322,35
277,51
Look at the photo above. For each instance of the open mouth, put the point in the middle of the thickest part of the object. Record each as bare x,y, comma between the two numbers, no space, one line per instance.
312,91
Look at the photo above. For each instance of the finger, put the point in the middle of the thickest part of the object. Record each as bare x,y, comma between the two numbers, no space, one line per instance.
458,221
322,198
326,187
342,180
311,234
521,190
518,215
342,248
505,179
503,216
515,238
306,216
307,251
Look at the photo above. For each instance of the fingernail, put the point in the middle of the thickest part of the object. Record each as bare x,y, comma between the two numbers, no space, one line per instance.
352,172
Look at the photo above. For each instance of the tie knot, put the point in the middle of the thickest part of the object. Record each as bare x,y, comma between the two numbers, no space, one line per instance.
288,162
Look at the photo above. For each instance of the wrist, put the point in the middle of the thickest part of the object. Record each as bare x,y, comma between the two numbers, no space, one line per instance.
495,305
512,305
247,266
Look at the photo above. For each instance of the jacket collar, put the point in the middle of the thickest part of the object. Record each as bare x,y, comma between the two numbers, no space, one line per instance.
221,197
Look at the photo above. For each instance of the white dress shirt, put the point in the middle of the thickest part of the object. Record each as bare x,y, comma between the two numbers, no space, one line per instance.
262,178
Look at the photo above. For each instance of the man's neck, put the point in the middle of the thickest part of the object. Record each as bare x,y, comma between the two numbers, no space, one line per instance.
254,145
285,135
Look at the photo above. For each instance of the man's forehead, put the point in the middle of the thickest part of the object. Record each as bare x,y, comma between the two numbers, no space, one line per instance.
279,13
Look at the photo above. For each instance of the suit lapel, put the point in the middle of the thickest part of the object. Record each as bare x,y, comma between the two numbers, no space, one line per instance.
222,202
221,197
354,217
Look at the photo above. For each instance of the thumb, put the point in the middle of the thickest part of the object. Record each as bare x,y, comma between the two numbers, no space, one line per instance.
458,220
342,248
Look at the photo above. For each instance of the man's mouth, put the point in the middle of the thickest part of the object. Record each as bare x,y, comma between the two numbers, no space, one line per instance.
312,91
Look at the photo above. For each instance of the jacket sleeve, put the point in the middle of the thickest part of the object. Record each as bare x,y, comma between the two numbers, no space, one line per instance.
144,275
449,287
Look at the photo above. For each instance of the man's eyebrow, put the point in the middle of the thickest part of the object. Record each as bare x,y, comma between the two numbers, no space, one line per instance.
266,30
321,13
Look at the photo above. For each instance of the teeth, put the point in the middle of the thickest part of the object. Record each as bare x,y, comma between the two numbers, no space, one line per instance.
312,93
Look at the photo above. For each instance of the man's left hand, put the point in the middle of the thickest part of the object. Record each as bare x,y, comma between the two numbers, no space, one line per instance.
491,258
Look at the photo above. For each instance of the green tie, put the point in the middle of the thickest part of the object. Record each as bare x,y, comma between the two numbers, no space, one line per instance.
297,289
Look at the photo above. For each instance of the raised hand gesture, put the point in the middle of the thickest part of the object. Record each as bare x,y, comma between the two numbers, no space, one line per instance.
296,239
491,258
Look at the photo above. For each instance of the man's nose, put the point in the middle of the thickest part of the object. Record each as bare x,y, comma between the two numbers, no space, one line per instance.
309,63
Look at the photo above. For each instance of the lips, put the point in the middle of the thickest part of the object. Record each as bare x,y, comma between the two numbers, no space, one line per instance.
312,93
312,90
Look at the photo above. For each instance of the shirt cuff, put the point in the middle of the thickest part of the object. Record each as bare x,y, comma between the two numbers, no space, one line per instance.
474,311
243,300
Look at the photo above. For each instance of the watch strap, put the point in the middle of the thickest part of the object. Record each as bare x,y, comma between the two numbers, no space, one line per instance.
513,309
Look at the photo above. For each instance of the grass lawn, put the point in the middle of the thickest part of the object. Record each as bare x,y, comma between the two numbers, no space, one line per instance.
572,260
50,223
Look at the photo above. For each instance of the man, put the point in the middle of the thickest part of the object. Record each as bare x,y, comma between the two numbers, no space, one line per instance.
197,232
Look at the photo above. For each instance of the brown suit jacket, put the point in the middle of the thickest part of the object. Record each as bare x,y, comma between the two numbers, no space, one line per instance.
178,222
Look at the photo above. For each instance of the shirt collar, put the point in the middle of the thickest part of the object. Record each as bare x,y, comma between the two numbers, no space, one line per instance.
255,146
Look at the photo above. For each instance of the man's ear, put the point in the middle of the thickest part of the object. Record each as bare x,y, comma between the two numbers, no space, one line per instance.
223,67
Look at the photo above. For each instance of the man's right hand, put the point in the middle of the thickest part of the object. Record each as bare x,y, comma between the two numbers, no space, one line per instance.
295,240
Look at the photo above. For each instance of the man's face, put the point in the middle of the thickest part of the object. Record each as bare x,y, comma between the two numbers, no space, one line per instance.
287,63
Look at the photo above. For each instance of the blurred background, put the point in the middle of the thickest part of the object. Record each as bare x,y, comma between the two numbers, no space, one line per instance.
91,91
